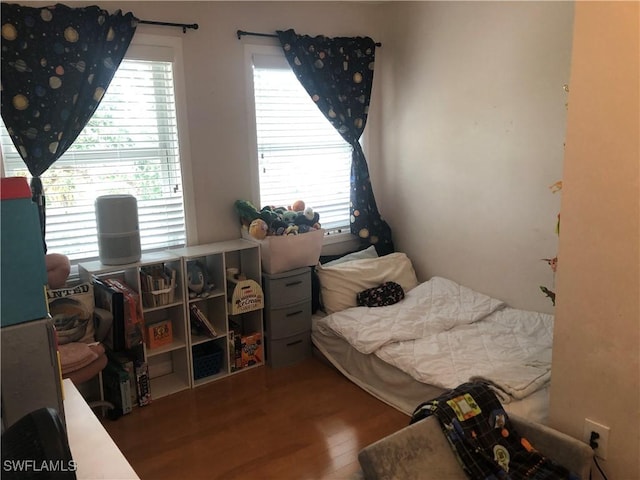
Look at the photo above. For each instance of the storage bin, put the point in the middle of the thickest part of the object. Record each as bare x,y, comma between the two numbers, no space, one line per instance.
24,274
287,351
287,252
207,360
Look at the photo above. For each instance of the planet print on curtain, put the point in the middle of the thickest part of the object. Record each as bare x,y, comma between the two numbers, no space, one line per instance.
338,75
57,63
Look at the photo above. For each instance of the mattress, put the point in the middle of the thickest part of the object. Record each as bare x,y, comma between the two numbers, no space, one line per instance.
397,388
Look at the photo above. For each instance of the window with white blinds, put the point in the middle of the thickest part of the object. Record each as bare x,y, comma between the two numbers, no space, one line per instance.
130,146
300,154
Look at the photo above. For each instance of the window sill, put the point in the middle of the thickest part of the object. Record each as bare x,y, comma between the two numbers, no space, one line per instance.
339,243
338,237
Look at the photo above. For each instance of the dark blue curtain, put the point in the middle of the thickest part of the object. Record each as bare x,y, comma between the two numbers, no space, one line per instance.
338,74
57,63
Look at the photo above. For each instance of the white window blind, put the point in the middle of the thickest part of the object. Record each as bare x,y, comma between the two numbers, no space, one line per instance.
130,146
300,154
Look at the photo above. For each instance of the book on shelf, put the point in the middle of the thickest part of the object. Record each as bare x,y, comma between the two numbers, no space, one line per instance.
111,299
200,319
235,350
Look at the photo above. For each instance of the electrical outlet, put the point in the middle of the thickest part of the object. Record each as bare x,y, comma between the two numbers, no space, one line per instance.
603,437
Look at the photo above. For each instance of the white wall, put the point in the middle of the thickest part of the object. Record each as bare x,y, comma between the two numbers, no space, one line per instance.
596,357
473,121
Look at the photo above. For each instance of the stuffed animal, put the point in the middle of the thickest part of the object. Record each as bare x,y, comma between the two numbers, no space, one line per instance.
272,220
308,217
269,215
297,206
277,227
246,211
197,280
289,216
258,229
291,230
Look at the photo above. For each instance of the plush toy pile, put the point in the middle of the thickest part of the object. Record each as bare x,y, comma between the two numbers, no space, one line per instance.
292,220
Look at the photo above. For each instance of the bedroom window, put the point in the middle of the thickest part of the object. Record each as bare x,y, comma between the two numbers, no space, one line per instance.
299,154
130,146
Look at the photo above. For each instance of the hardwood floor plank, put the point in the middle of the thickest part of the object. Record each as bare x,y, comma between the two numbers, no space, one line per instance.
306,421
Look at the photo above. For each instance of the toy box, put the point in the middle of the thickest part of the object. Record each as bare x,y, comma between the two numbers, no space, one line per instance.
252,351
288,252
159,334
247,296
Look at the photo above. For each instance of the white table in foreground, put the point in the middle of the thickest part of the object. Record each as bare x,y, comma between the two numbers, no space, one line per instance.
94,451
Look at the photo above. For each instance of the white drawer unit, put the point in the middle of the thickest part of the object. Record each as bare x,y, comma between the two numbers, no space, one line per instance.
287,316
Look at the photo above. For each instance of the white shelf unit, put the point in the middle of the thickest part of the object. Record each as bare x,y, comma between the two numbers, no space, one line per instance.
169,365
216,258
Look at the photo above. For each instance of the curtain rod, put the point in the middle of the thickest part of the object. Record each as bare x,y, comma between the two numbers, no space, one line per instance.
240,33
169,24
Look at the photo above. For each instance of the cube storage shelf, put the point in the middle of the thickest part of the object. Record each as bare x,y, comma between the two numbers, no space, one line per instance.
193,357
216,258
169,365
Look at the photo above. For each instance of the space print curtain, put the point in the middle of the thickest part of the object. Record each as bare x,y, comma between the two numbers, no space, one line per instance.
57,63
338,74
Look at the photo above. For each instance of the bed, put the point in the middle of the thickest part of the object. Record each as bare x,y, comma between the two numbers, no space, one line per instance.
441,334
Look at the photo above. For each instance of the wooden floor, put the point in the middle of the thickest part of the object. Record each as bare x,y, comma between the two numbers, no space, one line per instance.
306,421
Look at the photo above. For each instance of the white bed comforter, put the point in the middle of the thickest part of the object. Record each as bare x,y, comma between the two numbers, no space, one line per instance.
445,334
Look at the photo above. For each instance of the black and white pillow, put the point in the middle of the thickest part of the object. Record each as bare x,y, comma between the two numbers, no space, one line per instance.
381,296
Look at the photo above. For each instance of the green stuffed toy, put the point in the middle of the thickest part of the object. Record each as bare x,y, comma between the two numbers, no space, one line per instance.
246,211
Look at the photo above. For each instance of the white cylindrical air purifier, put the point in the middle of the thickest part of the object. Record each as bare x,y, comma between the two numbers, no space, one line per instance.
118,230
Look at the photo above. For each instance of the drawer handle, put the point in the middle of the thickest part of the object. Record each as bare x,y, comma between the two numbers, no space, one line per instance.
294,343
291,284
293,314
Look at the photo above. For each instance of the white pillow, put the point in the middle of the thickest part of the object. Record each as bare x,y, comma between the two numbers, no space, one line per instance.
339,284
366,253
